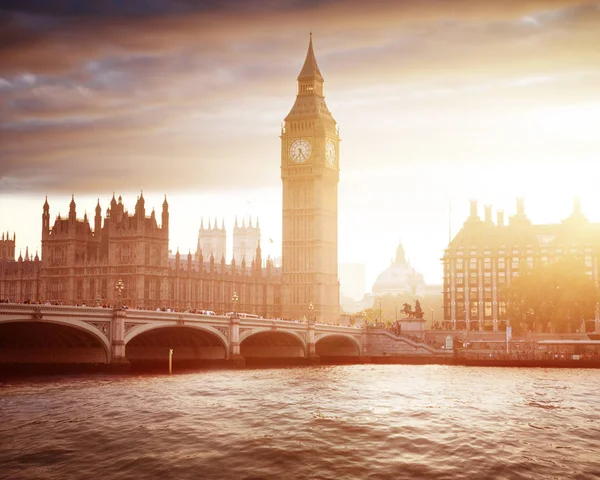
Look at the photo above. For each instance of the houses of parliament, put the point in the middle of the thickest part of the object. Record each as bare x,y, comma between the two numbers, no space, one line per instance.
82,260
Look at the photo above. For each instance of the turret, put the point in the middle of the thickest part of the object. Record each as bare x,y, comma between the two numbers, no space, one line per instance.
140,206
165,216
98,220
46,219
113,205
72,214
258,267
269,269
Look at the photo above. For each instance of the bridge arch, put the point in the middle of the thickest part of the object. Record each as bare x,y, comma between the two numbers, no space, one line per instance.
272,343
64,325
190,342
337,344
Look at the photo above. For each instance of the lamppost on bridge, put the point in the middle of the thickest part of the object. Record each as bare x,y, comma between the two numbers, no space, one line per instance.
311,307
431,310
119,287
380,317
234,300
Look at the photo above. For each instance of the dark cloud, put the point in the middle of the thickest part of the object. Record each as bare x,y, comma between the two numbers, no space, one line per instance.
144,8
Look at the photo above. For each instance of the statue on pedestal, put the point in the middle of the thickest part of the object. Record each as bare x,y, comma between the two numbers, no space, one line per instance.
410,313
418,313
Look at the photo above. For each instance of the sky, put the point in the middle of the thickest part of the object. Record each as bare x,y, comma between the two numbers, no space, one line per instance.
437,101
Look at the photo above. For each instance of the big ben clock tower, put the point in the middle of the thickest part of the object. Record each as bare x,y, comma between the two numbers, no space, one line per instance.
310,175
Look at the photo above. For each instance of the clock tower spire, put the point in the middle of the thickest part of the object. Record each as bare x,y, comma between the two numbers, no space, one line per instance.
310,175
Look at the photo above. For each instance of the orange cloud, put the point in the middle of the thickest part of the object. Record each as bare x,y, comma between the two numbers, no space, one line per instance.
107,98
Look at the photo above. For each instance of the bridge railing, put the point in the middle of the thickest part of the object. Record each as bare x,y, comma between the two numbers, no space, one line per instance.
142,314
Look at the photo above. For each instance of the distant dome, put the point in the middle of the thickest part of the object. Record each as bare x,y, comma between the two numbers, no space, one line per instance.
399,278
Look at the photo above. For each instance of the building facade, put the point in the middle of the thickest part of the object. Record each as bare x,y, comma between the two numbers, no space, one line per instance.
484,256
7,246
82,265
310,174
212,240
245,239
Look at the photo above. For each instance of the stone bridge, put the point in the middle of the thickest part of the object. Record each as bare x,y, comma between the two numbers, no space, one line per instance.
39,334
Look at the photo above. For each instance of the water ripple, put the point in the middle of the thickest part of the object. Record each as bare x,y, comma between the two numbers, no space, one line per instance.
350,422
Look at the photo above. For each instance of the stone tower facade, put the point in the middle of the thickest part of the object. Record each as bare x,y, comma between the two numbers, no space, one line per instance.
133,245
7,247
246,238
310,174
212,241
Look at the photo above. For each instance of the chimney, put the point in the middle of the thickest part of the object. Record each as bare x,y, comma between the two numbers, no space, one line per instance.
473,208
488,214
500,214
520,206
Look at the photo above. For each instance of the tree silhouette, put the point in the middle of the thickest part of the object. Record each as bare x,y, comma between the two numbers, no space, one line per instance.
556,297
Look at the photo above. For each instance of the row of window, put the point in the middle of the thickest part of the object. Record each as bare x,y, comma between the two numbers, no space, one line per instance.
515,262
459,279
529,250
474,309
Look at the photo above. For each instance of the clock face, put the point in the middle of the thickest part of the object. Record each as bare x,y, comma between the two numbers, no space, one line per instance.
330,153
300,150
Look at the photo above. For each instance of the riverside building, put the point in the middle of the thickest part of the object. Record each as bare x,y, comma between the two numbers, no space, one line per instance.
484,256
81,265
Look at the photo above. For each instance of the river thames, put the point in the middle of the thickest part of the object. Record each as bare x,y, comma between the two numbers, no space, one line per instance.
326,422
